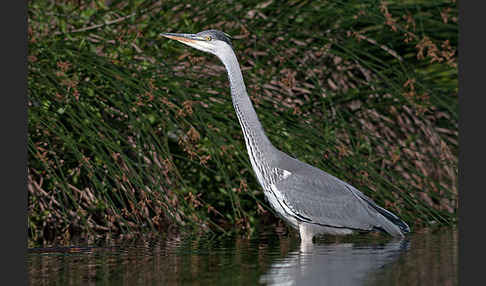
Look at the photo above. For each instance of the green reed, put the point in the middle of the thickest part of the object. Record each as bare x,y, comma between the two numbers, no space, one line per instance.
131,133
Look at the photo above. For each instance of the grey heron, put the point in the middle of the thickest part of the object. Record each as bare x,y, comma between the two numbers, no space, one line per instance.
310,200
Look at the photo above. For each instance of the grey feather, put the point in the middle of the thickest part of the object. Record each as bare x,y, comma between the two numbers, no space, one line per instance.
326,200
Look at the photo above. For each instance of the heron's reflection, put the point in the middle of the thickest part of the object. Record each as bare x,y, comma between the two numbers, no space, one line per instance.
333,264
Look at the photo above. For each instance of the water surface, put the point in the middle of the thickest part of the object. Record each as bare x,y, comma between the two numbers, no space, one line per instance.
427,258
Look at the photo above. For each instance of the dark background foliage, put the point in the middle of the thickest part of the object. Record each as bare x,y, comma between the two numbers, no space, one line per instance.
129,132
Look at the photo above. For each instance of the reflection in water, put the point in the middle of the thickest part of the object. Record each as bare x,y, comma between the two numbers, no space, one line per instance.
428,258
332,264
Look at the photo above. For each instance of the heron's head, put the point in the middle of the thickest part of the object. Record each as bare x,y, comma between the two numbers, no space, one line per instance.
210,41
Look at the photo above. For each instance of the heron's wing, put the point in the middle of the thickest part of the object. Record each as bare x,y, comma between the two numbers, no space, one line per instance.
323,199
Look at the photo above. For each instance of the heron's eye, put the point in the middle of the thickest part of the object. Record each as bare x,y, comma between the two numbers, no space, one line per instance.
208,38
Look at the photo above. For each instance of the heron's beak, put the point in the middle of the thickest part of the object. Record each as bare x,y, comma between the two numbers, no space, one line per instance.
185,38
192,40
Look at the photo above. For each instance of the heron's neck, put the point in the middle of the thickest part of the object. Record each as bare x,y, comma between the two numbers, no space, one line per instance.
255,138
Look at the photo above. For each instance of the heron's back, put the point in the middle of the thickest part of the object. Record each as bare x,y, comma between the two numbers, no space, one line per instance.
315,197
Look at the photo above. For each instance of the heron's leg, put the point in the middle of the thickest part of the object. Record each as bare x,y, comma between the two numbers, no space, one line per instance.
305,233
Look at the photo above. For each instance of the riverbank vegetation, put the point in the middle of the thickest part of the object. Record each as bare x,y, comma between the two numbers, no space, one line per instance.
131,133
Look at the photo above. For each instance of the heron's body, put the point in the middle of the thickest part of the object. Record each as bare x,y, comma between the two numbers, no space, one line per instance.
307,198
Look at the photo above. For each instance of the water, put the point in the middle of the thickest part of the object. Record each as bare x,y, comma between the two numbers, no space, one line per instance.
427,258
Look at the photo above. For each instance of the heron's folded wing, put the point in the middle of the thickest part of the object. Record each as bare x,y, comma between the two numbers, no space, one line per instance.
324,200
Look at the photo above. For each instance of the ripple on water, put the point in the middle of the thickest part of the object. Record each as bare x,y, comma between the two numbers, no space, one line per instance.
429,257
